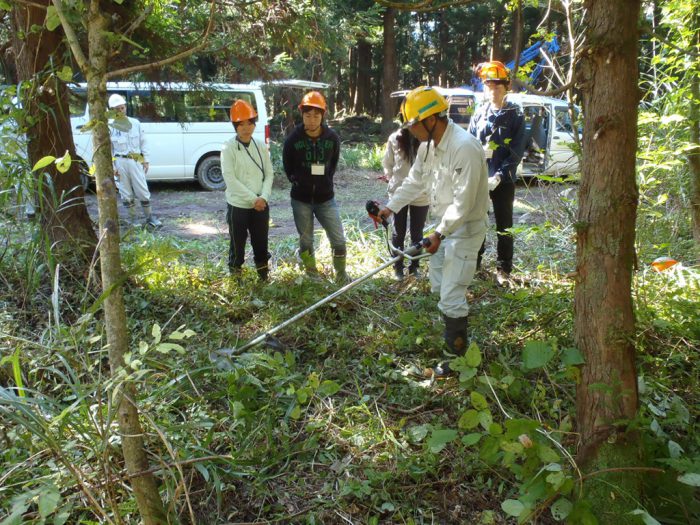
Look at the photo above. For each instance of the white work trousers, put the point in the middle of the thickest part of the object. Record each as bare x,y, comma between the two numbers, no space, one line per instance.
132,180
452,267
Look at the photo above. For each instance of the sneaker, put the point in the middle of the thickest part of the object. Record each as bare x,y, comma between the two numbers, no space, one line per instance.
439,371
503,278
153,222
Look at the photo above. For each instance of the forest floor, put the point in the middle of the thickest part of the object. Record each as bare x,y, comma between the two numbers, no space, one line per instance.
189,212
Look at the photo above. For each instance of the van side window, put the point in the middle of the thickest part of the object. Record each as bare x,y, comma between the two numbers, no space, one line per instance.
563,120
157,106
77,102
212,106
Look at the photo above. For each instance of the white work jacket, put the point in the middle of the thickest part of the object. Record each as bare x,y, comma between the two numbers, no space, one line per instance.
129,142
247,172
396,167
456,179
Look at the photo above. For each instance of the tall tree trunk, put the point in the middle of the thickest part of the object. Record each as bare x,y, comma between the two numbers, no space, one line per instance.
364,78
389,72
694,154
61,197
352,78
144,485
496,51
604,320
517,40
443,45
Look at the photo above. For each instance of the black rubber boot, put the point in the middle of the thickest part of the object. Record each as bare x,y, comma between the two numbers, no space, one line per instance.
456,341
263,273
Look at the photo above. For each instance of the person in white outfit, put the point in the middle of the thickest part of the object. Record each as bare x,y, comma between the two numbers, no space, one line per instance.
247,171
130,157
400,153
450,165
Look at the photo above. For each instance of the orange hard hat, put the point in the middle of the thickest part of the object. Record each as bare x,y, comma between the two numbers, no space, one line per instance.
242,111
661,264
494,71
313,99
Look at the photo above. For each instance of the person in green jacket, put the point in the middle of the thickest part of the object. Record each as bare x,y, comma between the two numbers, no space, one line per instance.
247,172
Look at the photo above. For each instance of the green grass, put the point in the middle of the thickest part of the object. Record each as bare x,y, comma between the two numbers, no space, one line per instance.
336,422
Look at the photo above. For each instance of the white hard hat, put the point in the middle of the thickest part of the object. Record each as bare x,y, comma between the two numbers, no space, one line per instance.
116,100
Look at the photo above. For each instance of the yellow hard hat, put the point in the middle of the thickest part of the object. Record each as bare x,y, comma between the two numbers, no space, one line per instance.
420,103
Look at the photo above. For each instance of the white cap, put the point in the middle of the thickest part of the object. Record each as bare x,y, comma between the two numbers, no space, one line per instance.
116,100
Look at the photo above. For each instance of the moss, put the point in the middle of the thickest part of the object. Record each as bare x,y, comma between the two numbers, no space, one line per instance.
613,495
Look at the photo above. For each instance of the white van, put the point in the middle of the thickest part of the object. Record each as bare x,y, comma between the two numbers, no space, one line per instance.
549,136
462,103
185,125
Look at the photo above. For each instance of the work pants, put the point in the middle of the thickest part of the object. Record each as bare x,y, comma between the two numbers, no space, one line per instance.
452,267
241,222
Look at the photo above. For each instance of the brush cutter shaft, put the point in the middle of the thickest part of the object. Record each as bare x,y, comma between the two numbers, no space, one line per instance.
411,252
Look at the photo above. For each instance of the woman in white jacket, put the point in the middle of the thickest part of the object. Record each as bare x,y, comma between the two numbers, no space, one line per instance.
247,171
400,153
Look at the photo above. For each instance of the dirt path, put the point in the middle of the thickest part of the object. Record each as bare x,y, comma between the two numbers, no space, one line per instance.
190,212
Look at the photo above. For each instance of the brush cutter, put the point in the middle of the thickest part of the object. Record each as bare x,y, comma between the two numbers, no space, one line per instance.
412,253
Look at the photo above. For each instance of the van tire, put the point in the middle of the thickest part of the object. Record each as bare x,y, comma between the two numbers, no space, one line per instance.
209,174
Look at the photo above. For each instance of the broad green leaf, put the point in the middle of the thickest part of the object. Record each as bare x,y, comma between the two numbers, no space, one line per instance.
63,163
471,439
164,348
48,500
646,518
473,355
537,354
547,454
155,332
572,357
690,478
516,427
512,507
52,19
561,509
65,74
485,419
43,162
204,471
478,401
468,420
418,433
4,5
439,438
674,449
328,388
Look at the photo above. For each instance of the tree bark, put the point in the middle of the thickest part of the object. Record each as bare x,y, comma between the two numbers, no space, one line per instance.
517,40
389,73
364,76
60,196
604,319
444,43
144,485
496,51
694,156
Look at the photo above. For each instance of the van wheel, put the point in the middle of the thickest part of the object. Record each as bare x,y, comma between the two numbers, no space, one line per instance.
209,174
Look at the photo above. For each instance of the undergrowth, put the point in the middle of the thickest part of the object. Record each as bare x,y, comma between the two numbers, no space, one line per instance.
334,422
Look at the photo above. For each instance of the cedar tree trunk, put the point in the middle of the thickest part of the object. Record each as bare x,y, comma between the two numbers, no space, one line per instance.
60,196
390,74
604,320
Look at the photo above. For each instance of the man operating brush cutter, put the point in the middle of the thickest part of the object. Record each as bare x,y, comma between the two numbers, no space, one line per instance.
413,253
450,165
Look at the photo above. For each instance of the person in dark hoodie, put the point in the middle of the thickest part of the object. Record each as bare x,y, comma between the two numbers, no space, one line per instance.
500,127
310,157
